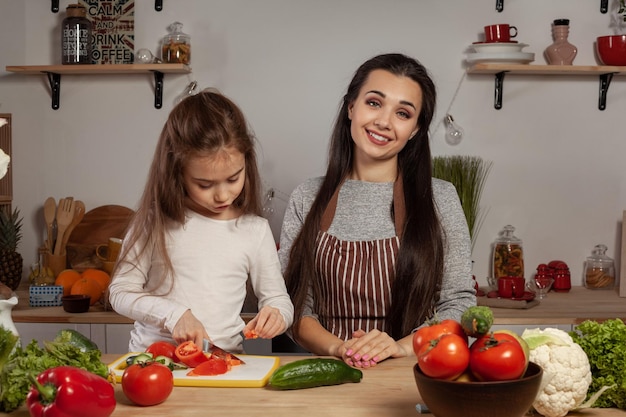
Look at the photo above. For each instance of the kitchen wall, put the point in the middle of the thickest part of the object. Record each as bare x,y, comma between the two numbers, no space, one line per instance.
558,173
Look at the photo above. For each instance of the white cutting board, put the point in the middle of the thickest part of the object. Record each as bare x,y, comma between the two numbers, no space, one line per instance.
254,373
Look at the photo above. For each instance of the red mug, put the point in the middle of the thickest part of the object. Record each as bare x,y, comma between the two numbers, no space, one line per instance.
511,287
500,33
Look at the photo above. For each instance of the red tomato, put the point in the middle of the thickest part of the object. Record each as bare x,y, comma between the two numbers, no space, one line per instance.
497,357
213,366
147,383
435,331
190,354
444,358
163,349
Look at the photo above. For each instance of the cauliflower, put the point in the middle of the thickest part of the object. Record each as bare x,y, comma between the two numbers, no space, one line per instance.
566,371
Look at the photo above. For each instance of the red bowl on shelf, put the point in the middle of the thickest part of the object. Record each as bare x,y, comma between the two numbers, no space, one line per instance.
611,49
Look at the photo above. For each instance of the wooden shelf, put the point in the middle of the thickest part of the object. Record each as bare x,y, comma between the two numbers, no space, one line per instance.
605,74
54,72
604,6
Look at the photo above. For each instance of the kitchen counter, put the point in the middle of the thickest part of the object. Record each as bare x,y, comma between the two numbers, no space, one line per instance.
568,308
387,390
97,314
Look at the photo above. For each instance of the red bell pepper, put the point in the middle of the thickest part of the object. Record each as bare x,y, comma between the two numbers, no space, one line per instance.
68,391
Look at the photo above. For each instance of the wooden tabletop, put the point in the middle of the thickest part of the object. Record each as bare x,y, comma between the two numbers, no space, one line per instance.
386,390
571,307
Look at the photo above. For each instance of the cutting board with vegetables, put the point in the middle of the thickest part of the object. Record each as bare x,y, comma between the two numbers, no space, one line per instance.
253,374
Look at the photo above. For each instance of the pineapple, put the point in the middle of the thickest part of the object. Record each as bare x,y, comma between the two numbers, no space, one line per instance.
11,262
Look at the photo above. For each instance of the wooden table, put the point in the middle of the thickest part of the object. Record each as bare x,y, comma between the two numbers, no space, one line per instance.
558,308
387,390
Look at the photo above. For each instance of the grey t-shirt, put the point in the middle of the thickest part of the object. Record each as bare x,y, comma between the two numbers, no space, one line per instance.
363,213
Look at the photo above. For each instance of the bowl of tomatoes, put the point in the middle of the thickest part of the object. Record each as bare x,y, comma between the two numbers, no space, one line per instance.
468,369
453,398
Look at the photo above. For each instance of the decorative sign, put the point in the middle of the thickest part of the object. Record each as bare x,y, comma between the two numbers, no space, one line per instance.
113,28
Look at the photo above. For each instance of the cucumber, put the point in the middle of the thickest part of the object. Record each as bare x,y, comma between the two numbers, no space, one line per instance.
314,372
77,339
477,321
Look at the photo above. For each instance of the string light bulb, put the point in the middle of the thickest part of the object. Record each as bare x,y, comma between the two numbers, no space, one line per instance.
189,90
454,132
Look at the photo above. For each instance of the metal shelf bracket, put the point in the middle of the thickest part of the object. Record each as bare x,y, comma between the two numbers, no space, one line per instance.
604,6
497,104
605,81
499,5
158,5
158,89
55,89
54,7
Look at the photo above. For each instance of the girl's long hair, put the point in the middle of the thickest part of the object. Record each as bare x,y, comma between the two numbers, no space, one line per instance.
419,265
200,125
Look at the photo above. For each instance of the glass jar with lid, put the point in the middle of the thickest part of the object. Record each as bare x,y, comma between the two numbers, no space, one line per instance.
508,255
599,269
176,46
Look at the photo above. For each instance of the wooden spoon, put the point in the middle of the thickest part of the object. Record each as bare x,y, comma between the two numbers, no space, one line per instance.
65,214
79,213
49,213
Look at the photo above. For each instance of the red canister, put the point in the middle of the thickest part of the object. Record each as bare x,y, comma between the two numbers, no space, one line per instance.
562,279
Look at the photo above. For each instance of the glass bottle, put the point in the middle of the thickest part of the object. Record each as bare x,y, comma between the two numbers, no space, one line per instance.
561,52
599,270
76,36
176,47
508,255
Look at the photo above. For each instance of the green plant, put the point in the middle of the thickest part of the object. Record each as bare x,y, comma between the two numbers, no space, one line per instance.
468,174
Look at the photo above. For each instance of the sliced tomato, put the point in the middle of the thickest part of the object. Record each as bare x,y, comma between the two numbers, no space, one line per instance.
162,348
190,354
212,366
251,334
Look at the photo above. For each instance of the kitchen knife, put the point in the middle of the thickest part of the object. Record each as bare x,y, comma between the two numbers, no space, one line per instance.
217,351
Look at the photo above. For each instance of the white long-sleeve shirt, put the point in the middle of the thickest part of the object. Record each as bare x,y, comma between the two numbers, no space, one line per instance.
212,261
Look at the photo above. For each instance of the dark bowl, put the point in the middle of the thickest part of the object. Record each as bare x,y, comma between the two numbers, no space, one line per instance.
76,303
611,49
479,399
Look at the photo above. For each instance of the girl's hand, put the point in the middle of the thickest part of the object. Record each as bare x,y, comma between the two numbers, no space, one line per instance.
365,350
187,328
267,323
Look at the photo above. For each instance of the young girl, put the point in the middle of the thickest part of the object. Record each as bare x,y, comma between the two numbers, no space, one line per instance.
376,247
197,236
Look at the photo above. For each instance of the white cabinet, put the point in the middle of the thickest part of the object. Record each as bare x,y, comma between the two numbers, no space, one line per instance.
47,331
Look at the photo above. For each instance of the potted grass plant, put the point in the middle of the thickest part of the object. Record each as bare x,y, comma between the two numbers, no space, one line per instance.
468,174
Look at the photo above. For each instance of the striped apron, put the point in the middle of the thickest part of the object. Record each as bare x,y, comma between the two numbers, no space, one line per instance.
356,276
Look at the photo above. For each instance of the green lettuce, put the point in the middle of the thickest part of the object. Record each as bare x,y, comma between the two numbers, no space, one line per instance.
605,346
33,359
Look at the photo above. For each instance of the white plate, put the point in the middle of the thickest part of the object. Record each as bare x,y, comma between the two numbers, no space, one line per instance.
498,47
513,57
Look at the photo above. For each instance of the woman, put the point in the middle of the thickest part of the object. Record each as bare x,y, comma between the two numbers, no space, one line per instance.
376,247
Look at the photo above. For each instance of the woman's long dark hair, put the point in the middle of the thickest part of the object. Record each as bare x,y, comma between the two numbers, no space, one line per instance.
419,266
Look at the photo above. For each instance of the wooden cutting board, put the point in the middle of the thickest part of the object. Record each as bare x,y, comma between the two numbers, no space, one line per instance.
253,374
97,226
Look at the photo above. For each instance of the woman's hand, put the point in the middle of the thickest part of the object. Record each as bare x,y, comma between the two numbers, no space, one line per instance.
365,350
267,324
187,328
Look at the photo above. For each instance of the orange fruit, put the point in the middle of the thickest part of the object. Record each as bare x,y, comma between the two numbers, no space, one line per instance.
99,276
90,287
66,279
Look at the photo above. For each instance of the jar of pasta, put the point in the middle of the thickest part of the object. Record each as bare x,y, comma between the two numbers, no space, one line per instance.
176,46
508,255
599,270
